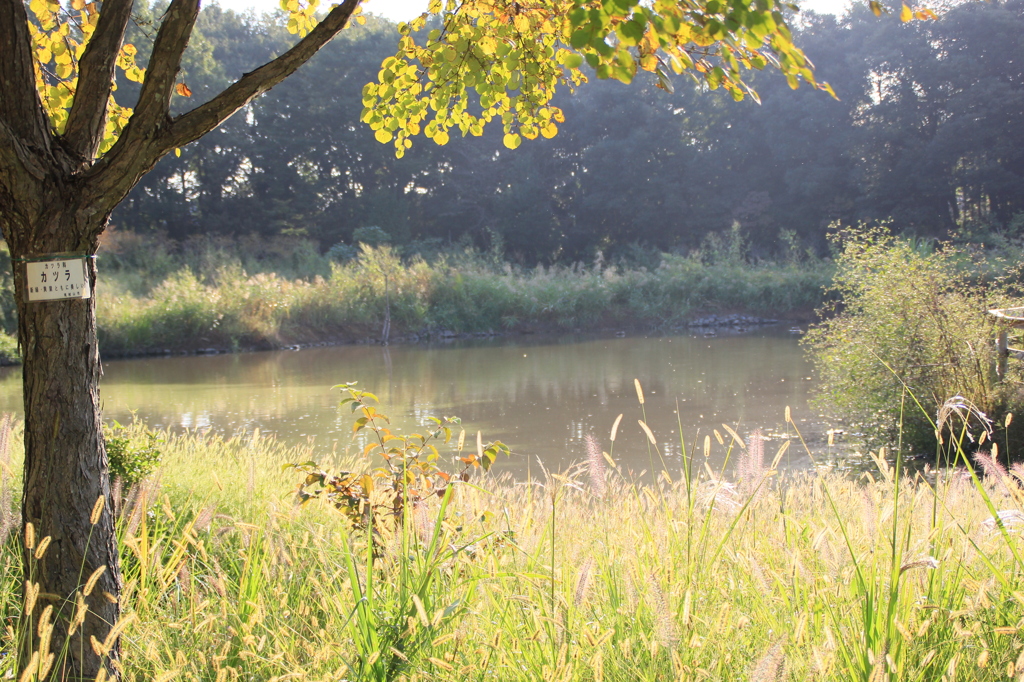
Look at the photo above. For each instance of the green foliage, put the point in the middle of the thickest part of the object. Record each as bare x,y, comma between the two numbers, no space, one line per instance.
9,351
231,308
133,452
371,236
409,474
909,331
395,621
8,308
342,253
729,247
479,62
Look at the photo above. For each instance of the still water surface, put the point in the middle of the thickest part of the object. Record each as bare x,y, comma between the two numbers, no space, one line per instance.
540,396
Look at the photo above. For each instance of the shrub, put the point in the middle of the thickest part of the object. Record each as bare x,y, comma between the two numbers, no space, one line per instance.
371,236
132,452
9,353
909,330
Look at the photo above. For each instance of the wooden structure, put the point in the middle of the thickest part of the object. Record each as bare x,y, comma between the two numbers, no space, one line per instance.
1009,319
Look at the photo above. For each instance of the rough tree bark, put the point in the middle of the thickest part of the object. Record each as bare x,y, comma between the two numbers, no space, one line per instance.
56,195
65,462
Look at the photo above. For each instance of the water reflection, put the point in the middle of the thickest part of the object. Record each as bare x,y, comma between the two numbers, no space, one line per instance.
540,396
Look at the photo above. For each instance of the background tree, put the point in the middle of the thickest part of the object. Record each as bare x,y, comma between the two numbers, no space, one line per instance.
297,164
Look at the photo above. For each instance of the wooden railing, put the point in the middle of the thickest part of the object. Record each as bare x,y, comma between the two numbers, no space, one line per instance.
1009,319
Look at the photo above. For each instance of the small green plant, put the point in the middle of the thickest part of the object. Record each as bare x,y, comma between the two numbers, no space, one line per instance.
132,452
409,473
398,613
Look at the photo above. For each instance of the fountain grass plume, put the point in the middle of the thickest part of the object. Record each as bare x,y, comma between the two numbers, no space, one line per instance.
989,463
750,469
10,519
595,465
666,631
583,582
1017,471
769,666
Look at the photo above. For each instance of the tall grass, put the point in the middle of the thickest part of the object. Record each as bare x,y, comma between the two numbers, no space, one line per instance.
154,294
229,308
581,575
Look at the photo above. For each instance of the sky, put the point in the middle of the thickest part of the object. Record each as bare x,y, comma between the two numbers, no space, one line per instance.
403,10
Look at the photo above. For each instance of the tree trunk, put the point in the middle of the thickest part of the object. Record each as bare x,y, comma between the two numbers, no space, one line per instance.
65,461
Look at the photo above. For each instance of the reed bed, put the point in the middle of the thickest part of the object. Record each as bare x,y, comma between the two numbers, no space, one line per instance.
586,574
231,308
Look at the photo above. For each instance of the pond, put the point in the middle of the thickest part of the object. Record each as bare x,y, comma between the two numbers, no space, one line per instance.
539,395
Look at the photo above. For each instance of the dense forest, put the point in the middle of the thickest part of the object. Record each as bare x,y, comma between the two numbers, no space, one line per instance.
927,130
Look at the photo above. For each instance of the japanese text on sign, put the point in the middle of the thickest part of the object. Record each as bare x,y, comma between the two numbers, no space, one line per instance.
50,280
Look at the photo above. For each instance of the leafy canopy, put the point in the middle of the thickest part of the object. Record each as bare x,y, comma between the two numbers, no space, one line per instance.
513,56
462,65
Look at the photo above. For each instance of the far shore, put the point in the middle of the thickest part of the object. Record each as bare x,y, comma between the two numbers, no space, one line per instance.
706,325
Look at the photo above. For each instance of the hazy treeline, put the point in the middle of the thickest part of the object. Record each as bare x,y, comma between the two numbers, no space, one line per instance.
928,130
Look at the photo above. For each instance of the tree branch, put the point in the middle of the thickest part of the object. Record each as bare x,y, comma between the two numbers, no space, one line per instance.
164,63
151,111
86,122
149,134
20,108
201,120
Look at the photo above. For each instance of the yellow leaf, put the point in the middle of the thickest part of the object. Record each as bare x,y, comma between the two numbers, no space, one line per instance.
183,90
39,8
487,45
905,14
512,141
383,136
177,151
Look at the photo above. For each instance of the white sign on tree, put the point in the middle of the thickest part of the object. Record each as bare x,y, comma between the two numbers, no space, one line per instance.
50,280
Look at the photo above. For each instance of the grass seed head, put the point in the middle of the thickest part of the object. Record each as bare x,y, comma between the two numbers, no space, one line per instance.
615,427
94,577
768,667
41,549
583,582
595,465
97,510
